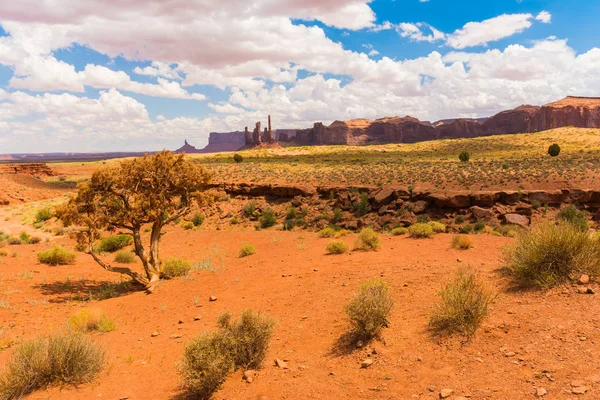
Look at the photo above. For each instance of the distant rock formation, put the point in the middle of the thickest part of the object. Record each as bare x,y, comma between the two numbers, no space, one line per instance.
187,148
583,112
261,139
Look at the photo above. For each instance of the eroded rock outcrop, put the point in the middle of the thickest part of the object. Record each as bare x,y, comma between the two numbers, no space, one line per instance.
579,112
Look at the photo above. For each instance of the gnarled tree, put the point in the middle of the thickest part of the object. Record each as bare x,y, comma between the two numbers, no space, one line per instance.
152,190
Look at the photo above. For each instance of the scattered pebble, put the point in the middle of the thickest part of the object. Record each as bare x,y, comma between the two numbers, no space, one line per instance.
281,364
445,393
212,298
366,363
584,279
154,334
541,392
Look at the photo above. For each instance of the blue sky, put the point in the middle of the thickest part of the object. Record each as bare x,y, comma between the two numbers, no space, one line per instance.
84,78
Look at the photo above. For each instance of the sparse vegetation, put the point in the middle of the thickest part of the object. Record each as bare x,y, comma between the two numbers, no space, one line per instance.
463,305
464,156
368,311
175,267
336,247
554,150
114,243
367,240
268,218
124,257
437,227
197,219
399,231
551,254
575,217
56,256
238,158
420,231
90,320
462,242
43,215
60,359
328,232
247,250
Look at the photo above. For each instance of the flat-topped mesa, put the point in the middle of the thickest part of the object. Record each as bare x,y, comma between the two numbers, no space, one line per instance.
579,112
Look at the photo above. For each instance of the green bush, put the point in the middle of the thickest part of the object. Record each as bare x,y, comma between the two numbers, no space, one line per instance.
56,256
207,360
550,254
361,207
12,240
268,218
337,216
238,158
114,243
124,257
367,240
399,231
187,225
575,217
420,231
197,219
328,232
463,306
464,156
437,227
368,311
249,337
247,250
60,359
43,214
554,150
174,267
249,208
336,248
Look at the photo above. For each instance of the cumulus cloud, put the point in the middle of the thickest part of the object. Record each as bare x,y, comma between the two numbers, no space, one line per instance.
415,32
544,16
479,33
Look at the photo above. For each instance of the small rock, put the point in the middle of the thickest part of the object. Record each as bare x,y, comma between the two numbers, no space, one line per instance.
582,290
212,298
366,363
197,318
154,334
281,364
431,388
459,260
249,375
331,373
590,291
180,321
359,344
577,383
175,336
445,393
541,392
510,354
584,279
316,269
579,390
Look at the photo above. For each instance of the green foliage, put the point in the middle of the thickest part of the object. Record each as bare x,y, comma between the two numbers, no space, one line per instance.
535,204
420,231
114,243
554,150
124,257
463,306
399,231
197,219
464,156
249,208
368,311
56,256
462,242
174,267
575,217
43,215
550,254
238,158
437,227
247,250
268,218
328,232
361,207
336,247
367,240
337,216
60,359
292,213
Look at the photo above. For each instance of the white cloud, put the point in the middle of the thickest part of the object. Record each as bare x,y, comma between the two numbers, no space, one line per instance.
481,33
544,17
415,32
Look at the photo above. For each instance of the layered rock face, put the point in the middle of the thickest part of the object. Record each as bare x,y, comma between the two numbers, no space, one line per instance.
571,111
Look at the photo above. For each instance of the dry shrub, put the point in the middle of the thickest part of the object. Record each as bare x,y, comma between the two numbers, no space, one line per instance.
124,257
336,247
247,250
550,254
420,230
463,305
65,358
367,240
207,361
56,256
399,231
91,320
328,232
114,243
174,267
437,227
249,337
462,242
369,309
210,357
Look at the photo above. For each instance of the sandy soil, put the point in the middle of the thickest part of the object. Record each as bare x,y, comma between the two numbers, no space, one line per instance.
530,339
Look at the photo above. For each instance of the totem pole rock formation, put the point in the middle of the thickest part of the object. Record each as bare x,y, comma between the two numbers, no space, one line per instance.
256,136
247,137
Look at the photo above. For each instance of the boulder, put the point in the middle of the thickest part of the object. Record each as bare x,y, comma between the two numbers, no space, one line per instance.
383,196
456,200
516,219
293,191
552,197
481,213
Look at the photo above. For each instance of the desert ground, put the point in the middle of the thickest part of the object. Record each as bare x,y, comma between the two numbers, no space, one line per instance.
533,343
